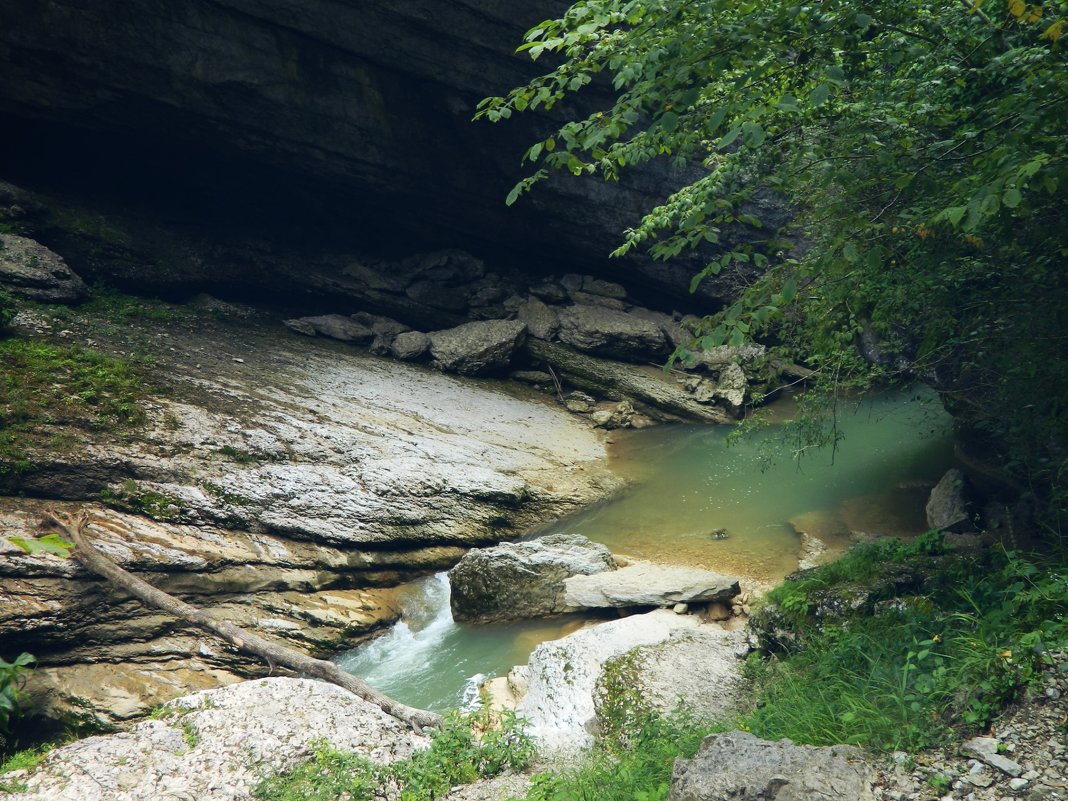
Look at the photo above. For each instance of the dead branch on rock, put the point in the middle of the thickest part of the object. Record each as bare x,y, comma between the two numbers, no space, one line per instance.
100,564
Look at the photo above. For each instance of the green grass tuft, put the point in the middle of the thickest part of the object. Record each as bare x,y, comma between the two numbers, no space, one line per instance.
457,755
921,669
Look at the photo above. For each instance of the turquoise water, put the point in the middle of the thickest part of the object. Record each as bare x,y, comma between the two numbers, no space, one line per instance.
684,483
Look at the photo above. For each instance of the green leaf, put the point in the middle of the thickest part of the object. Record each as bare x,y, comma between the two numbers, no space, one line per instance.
789,290
729,137
48,544
819,95
715,121
955,213
1011,199
669,121
754,134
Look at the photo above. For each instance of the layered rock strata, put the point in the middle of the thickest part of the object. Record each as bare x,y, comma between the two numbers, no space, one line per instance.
288,480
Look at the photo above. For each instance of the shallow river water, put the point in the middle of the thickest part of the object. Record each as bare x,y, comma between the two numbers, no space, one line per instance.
684,483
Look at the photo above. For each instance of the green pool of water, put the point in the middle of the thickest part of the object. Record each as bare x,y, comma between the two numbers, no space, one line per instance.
684,483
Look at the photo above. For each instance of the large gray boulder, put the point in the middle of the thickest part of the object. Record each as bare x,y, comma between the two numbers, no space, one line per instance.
948,507
516,580
410,345
541,321
477,348
30,270
562,676
741,767
648,584
613,333
219,745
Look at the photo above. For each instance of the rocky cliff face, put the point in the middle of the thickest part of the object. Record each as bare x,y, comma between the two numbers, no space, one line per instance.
353,119
278,480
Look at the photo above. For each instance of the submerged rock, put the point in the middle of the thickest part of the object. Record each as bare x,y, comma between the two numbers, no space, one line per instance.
513,581
30,270
219,745
742,767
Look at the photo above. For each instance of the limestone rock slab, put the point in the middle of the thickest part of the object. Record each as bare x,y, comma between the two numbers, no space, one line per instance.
219,744
648,584
477,348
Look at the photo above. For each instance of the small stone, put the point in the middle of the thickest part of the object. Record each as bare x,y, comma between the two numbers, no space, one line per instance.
579,402
979,779
1053,692
680,609
299,326
239,361
1018,783
717,611
900,757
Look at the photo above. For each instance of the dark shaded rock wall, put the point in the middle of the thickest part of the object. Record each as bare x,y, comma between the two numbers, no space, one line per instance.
352,116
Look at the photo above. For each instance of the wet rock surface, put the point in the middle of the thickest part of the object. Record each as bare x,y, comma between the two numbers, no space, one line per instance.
288,479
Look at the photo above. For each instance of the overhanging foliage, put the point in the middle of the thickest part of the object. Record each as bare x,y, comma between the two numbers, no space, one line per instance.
921,146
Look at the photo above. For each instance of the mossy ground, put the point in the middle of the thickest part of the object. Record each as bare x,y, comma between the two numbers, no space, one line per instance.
49,391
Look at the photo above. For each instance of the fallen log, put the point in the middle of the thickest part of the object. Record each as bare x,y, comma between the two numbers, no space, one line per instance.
659,398
97,562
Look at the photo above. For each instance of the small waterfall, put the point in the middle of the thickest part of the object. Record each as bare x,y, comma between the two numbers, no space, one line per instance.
401,657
